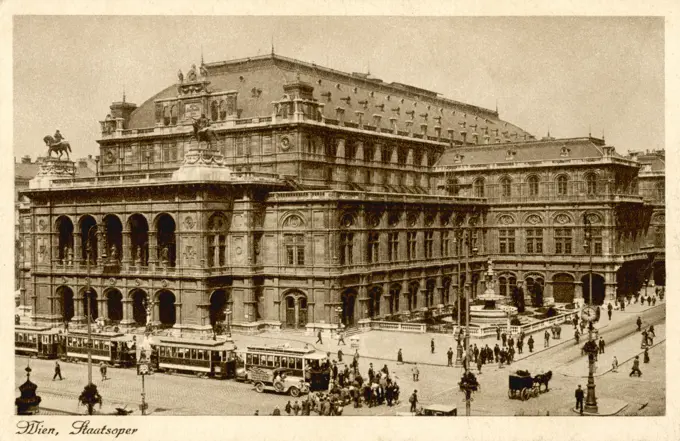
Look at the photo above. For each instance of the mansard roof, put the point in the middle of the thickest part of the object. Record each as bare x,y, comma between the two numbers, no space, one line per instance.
259,81
543,150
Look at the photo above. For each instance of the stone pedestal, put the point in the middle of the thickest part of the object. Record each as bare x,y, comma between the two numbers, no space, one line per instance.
51,169
202,164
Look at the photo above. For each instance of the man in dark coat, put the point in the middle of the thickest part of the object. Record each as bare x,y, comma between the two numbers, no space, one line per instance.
432,345
610,309
496,352
57,371
520,345
530,343
318,338
639,323
579,399
413,400
449,357
340,354
334,370
511,341
636,367
504,337
600,345
498,333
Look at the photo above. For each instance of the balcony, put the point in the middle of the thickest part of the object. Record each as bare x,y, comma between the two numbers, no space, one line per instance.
334,195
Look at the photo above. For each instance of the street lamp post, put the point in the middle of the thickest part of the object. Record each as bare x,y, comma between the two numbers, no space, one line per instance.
88,304
459,348
228,313
470,250
591,399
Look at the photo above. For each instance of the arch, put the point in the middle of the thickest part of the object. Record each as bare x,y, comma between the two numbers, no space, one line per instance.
114,303
533,219
533,182
430,286
139,239
446,290
140,301
506,283
66,303
88,234
113,228
412,295
598,288
173,114
347,219
590,180
374,295
220,300
166,115
563,288
217,240
165,240
293,221
64,228
395,292
348,299
214,112
90,300
478,187
562,218
223,109
166,308
535,286
562,185
506,186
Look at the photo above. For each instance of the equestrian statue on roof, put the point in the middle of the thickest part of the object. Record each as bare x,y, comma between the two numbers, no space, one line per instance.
57,144
202,130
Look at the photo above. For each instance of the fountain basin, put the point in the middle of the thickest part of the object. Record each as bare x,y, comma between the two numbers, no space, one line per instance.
497,316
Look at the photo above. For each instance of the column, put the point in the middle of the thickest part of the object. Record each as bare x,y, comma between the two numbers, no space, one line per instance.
362,303
100,244
103,307
178,313
403,301
126,252
422,290
438,294
78,308
77,249
54,247
127,312
385,299
153,253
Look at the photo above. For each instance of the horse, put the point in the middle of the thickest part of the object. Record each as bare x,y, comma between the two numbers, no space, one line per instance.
543,379
204,133
60,147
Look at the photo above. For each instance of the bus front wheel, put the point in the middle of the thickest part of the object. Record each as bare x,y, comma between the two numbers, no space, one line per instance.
259,387
294,392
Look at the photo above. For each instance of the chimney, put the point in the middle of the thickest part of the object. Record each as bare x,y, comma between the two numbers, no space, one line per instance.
26,159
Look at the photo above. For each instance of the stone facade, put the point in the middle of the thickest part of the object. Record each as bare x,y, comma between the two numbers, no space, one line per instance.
324,197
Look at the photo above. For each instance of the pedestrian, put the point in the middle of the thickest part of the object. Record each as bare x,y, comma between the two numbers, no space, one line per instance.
341,338
334,370
610,309
501,358
576,335
416,372
615,365
520,346
639,324
511,341
601,345
530,343
504,337
57,371
277,411
636,367
498,333
646,356
449,357
546,339
340,354
432,346
371,373
400,358
413,400
653,301
257,412
511,354
102,370
479,365
318,338
288,407
475,353
385,371
650,330
579,399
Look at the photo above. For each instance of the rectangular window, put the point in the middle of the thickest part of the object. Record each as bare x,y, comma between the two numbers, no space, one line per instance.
240,143
127,151
506,241
346,248
295,249
534,241
373,247
411,244
429,244
445,243
563,241
169,152
393,247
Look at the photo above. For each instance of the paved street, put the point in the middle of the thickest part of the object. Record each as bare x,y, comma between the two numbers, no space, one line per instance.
187,395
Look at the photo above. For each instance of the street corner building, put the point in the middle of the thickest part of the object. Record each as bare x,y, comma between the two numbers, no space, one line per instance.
277,194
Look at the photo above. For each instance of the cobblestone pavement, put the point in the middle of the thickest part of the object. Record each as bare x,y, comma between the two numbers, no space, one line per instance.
187,395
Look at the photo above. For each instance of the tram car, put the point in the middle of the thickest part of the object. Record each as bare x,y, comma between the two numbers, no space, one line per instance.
113,348
212,358
42,342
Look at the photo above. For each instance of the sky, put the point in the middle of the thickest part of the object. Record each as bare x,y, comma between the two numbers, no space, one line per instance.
566,75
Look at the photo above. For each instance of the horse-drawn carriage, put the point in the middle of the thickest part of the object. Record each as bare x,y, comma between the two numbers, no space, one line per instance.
523,386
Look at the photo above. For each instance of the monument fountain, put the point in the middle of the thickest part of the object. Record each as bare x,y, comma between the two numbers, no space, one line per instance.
495,310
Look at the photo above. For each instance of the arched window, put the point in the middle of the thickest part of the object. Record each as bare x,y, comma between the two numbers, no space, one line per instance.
533,185
660,188
478,188
591,184
506,185
223,110
217,241
214,111
562,185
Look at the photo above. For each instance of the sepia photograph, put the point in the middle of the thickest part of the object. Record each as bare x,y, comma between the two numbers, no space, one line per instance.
350,216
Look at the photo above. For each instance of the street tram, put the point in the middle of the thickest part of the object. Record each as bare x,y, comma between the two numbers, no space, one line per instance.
42,342
113,348
309,365
214,358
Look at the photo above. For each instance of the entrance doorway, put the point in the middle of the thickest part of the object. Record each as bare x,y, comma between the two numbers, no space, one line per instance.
348,303
598,289
563,288
296,310
166,308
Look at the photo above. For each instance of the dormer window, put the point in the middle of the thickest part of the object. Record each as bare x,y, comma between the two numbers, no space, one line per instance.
423,129
337,86
355,89
438,132
564,152
424,116
458,158
438,119
376,120
339,113
360,116
396,110
411,113
510,155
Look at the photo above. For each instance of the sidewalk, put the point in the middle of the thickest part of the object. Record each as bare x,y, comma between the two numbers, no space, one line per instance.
383,345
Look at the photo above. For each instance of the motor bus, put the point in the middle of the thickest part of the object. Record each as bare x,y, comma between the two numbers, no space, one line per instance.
213,358
42,342
309,365
113,348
